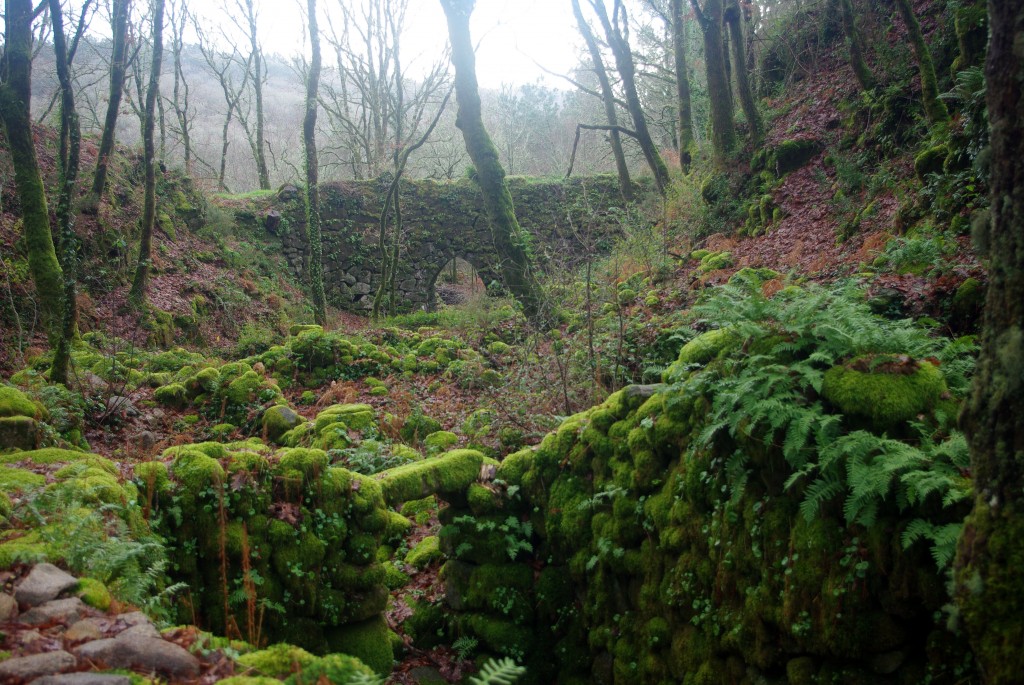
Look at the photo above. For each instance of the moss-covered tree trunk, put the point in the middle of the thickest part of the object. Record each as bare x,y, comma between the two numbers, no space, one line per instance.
723,132
118,67
316,251
608,100
70,146
734,20
510,241
138,292
684,109
861,71
15,98
934,108
990,555
616,33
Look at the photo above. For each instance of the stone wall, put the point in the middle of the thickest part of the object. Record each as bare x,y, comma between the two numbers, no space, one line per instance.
442,221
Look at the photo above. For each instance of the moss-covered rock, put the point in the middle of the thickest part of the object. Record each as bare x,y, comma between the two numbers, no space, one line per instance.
277,661
425,552
94,593
930,160
449,473
18,432
13,402
368,641
173,395
278,420
790,155
885,391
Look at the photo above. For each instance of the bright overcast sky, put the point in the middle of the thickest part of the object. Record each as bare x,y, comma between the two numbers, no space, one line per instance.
512,35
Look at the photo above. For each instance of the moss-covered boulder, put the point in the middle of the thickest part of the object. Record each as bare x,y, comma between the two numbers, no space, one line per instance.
448,474
790,155
885,391
13,402
278,420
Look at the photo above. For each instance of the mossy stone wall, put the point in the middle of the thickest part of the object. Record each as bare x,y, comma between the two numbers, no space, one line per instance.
642,571
442,221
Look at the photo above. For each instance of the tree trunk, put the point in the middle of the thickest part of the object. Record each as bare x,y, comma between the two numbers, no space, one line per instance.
990,554
15,97
860,67
70,145
934,108
723,133
118,67
619,45
138,292
316,265
510,240
734,18
257,85
608,98
685,122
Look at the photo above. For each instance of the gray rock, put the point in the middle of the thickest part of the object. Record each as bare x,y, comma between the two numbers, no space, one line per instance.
133,618
83,678
86,629
361,289
147,439
148,654
117,404
140,630
8,607
67,610
45,582
27,667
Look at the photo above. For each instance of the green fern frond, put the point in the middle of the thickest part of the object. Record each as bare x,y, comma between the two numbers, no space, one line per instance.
502,671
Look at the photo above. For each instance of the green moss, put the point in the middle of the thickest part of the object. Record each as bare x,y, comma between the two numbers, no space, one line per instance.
440,440
354,416
707,346
930,160
205,381
301,464
249,680
394,578
278,420
14,480
367,641
449,473
790,155
418,427
196,471
515,466
277,661
173,395
94,593
300,328
424,553
13,402
886,399
716,260
420,509
244,389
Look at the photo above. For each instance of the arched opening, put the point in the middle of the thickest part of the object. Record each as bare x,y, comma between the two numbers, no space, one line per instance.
458,283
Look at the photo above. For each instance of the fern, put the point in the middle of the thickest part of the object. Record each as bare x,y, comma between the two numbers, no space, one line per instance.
502,671
771,395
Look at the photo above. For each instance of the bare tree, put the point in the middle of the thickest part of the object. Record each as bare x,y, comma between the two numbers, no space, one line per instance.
118,66
232,73
70,146
184,112
138,292
616,31
251,116
316,266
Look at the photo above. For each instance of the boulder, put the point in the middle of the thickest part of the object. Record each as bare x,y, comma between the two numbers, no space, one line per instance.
44,583
35,665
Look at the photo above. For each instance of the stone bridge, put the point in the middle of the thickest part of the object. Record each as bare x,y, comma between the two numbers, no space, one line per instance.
442,221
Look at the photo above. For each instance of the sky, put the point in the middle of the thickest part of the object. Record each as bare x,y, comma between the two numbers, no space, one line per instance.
512,36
